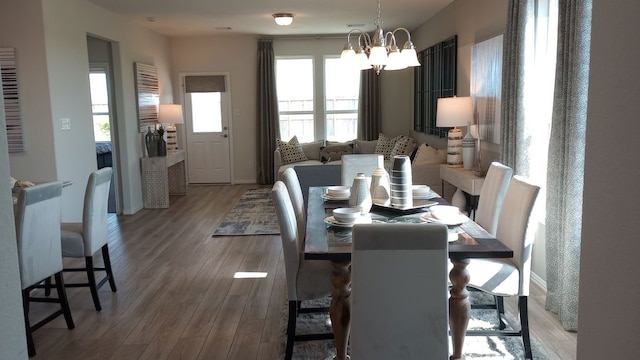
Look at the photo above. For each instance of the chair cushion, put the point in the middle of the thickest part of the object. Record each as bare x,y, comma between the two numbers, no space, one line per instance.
291,151
72,240
494,276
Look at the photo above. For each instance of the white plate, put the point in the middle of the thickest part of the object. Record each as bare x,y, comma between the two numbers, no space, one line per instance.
456,220
334,198
366,219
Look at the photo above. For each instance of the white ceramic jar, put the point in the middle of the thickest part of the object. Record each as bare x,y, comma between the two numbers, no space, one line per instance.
360,194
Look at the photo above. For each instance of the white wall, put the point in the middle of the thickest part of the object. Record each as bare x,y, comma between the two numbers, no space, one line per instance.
236,55
51,45
609,266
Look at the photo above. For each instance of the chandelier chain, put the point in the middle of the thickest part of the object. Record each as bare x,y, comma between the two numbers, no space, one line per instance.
378,21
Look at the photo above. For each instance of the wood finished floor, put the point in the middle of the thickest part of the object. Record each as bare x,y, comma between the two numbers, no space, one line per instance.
178,299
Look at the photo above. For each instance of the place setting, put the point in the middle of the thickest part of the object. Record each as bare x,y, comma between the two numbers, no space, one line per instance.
347,217
337,193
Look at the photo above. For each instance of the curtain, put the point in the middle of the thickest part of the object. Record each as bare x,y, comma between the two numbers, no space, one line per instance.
565,172
369,113
268,121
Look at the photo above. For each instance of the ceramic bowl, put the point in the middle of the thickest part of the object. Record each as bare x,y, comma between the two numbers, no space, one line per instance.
339,191
420,189
346,215
444,211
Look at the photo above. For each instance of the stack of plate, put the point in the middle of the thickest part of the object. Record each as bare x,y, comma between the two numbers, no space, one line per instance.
400,180
337,193
421,192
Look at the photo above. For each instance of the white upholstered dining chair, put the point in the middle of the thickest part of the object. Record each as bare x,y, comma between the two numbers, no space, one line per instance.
492,195
37,220
353,164
290,179
306,279
510,277
399,298
83,240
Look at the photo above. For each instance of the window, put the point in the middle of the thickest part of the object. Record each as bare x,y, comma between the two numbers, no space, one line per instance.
100,105
206,112
300,106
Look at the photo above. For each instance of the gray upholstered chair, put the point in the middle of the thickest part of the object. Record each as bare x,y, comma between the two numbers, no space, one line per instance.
37,220
83,240
317,175
399,297
492,195
306,279
510,277
359,163
290,179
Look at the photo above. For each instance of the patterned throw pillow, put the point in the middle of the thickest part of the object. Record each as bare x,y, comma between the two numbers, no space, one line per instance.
404,146
291,152
335,152
385,146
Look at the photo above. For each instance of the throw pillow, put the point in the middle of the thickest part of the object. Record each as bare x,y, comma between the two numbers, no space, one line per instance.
430,155
404,146
335,152
385,146
292,151
365,147
312,149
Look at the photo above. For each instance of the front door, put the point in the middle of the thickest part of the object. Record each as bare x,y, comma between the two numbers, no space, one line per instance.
208,143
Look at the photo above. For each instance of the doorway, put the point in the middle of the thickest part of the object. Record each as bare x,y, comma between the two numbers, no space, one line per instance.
103,111
207,104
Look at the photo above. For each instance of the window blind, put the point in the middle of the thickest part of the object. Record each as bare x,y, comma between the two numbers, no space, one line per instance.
204,83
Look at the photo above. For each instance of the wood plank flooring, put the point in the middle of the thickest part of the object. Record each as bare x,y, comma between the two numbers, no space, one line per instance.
177,296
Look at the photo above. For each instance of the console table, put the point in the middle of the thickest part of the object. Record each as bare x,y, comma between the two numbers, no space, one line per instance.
163,176
464,180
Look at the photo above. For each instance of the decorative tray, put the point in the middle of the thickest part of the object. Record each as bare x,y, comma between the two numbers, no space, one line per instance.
418,206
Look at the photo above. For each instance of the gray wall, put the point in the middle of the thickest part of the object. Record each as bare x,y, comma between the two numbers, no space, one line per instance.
609,266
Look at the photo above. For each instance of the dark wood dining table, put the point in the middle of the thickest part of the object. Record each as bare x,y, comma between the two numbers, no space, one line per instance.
332,243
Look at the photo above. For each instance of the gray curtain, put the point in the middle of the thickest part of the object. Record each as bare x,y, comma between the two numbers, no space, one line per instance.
369,113
565,171
514,141
268,121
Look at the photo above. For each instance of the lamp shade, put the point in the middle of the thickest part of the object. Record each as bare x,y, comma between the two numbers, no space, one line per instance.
170,114
454,111
283,19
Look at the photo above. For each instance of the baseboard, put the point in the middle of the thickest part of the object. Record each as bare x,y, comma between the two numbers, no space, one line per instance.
539,281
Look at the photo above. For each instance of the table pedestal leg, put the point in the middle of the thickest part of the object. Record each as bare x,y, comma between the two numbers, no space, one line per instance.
340,308
459,306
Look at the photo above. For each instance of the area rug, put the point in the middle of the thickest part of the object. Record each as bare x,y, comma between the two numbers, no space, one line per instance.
475,347
254,214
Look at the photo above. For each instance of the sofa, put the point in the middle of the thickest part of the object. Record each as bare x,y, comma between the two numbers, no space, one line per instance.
426,160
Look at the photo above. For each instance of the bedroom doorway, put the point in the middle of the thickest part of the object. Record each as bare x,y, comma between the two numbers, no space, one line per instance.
103,111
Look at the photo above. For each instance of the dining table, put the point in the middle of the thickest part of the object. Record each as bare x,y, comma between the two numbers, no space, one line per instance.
332,242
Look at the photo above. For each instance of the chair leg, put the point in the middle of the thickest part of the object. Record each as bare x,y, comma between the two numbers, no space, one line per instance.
92,282
64,302
47,286
500,311
291,328
25,308
107,267
524,325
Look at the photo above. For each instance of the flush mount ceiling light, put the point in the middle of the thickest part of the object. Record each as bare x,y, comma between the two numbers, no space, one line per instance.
283,19
379,51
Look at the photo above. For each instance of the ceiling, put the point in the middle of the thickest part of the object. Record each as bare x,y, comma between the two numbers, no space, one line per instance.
311,17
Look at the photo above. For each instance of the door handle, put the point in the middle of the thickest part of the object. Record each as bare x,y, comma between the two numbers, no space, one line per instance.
225,135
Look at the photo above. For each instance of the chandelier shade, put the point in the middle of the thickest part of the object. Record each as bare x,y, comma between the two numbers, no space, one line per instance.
379,51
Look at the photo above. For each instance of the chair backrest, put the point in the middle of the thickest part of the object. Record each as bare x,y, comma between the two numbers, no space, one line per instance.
94,214
492,195
359,163
317,175
291,246
399,282
290,179
512,226
37,220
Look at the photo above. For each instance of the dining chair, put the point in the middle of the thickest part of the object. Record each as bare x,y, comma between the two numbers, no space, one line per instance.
37,219
306,279
83,240
290,179
317,175
353,164
510,277
399,297
494,188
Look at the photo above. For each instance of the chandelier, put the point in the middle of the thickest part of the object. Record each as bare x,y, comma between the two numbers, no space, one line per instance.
379,51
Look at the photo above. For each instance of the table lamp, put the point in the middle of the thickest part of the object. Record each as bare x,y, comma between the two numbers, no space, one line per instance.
454,112
171,114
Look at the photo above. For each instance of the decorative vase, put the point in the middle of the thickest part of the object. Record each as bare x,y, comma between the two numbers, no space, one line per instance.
380,186
468,150
360,194
477,161
162,145
151,143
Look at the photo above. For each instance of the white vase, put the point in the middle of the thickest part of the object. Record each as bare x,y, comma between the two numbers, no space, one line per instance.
468,151
360,194
380,186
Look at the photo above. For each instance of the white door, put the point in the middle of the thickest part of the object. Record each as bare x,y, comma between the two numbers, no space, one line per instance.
207,128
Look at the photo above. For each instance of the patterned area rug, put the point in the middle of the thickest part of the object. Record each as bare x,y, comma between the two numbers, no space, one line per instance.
254,214
475,347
